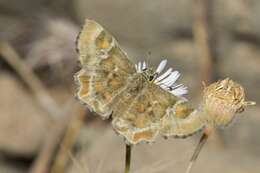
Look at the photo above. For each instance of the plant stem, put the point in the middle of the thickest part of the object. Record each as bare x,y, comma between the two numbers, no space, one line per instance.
195,155
128,158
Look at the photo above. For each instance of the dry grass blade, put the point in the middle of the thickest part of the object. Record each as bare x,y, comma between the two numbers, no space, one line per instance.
15,61
70,136
203,37
41,164
45,100
79,166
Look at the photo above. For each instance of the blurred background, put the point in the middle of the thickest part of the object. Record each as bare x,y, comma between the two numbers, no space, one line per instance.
43,128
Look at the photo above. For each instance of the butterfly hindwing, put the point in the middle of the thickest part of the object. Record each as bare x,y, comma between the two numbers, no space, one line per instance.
140,110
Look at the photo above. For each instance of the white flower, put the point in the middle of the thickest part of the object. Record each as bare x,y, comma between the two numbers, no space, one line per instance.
167,80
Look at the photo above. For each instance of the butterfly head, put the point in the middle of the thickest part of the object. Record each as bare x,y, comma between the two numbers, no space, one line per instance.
167,80
150,74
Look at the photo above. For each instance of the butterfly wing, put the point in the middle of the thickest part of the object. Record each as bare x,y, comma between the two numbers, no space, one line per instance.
140,111
105,68
108,83
149,110
181,121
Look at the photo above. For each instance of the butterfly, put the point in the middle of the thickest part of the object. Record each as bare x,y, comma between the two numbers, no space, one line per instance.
145,102
142,101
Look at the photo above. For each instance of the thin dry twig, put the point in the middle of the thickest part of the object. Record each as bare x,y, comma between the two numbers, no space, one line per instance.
203,32
41,164
68,141
26,73
205,40
197,150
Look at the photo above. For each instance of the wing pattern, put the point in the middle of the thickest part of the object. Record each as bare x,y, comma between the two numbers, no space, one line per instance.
109,83
105,68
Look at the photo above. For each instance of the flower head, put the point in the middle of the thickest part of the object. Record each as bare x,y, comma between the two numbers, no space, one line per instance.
167,80
223,99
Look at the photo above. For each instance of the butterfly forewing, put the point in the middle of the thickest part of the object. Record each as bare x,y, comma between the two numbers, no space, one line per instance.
97,48
105,68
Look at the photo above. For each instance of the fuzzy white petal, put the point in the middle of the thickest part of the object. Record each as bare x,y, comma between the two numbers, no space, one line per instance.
167,80
180,91
144,65
164,75
164,87
139,68
171,79
161,66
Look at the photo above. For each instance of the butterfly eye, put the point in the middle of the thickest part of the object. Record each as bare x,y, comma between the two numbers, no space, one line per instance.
151,77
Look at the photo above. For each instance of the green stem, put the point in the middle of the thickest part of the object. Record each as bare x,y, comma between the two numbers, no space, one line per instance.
128,158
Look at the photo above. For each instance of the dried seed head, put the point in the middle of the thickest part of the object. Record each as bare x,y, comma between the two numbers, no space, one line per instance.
222,99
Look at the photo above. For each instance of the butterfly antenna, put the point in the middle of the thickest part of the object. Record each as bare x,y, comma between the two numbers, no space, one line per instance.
197,150
149,55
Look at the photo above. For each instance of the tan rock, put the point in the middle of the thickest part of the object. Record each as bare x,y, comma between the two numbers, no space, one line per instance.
23,125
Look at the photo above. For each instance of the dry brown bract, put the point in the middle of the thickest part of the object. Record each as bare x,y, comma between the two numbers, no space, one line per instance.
222,99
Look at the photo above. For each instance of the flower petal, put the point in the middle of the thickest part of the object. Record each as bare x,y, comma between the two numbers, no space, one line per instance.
171,79
161,66
139,69
180,91
164,75
144,65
